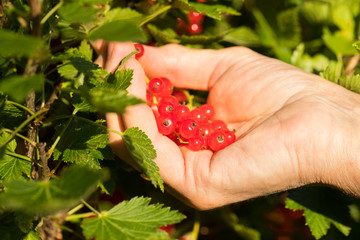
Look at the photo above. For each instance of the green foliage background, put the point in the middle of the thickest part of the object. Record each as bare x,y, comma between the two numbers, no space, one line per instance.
57,172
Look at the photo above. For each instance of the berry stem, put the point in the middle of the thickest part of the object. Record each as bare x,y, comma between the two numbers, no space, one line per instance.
90,207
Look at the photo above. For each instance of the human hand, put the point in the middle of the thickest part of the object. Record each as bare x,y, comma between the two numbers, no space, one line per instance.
293,128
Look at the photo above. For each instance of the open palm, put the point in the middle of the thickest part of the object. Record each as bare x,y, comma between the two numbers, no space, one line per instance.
293,128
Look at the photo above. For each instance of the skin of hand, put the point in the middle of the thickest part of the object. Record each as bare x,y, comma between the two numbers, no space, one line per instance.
293,128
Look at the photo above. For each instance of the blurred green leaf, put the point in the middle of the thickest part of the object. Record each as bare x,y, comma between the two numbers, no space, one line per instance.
163,36
214,11
32,236
242,36
141,149
337,43
77,13
343,18
34,197
120,31
106,99
131,220
316,12
289,27
121,14
18,87
17,45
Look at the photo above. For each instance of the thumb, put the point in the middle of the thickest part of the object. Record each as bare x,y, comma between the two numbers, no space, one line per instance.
190,68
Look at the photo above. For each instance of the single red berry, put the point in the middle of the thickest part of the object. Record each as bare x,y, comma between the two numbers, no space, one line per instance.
205,129
230,136
188,128
166,108
171,99
195,17
165,124
180,27
156,86
198,114
217,141
196,143
218,124
195,28
181,112
208,111
168,228
168,87
140,48
180,95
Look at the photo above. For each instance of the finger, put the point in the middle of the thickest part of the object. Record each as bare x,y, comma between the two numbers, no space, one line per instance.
98,45
190,68
141,116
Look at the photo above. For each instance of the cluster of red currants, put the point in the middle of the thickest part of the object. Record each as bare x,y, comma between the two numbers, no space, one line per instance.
196,128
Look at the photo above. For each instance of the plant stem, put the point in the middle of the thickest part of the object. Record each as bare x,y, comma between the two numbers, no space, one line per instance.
90,207
21,136
196,228
155,14
50,151
77,216
20,106
18,156
51,12
75,209
26,122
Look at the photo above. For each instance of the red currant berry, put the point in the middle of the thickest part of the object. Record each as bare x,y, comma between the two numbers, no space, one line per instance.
170,99
180,27
168,87
181,112
195,143
195,28
230,136
140,49
208,111
198,114
166,108
165,124
180,95
195,17
205,129
218,124
188,128
217,141
156,86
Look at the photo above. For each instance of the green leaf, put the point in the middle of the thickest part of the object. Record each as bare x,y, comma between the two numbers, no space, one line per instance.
337,43
316,12
120,31
12,167
214,11
18,87
77,13
322,208
242,36
141,149
34,197
343,18
107,99
131,220
81,143
86,50
117,14
120,80
163,36
17,45
32,236
289,27
80,70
